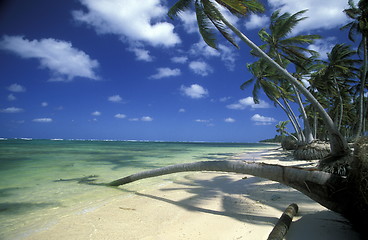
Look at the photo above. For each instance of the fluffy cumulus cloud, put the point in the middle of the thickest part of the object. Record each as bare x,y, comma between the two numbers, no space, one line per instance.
325,15
146,119
229,120
17,88
11,110
96,113
141,54
120,115
181,59
11,97
64,61
130,20
247,102
115,98
262,120
166,72
257,21
200,68
194,91
43,120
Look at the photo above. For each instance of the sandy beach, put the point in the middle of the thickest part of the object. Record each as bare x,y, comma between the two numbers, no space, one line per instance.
202,205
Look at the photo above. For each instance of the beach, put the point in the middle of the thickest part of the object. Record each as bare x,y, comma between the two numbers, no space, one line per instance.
203,205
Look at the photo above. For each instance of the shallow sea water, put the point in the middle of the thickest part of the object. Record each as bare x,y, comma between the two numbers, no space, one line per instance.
43,180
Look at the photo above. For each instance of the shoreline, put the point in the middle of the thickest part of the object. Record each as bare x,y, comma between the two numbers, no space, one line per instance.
202,205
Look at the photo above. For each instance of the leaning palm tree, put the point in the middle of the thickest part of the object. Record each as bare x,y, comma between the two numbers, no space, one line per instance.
208,13
359,25
334,74
281,46
262,79
346,194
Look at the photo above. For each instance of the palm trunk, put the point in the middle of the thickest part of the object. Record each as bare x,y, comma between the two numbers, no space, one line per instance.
297,130
340,114
362,87
317,185
339,145
300,130
308,132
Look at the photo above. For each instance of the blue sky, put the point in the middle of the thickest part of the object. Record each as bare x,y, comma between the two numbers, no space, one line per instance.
121,69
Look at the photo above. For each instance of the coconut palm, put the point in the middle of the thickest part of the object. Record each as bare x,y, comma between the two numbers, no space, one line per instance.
208,12
344,194
262,79
281,46
334,74
359,26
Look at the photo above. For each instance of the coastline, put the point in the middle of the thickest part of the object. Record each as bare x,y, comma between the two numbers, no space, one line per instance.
202,205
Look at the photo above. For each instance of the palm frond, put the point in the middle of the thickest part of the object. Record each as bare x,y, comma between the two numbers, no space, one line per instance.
242,7
205,29
215,16
180,6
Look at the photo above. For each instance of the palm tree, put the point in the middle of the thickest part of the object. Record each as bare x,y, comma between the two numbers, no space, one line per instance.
344,194
335,73
359,25
280,46
281,128
207,12
262,78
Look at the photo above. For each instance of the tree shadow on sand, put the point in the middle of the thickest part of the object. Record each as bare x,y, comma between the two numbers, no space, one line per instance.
247,201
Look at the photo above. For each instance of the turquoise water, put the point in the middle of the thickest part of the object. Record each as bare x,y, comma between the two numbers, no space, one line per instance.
43,180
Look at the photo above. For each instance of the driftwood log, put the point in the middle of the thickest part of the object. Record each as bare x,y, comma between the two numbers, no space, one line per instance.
283,224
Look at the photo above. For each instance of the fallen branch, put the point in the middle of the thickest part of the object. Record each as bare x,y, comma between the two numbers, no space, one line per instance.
282,226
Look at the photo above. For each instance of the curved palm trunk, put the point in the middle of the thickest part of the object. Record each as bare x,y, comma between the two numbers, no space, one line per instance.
362,87
339,118
308,132
299,138
339,146
317,185
292,114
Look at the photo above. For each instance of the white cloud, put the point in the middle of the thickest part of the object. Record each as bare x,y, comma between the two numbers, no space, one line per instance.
141,54
225,99
179,59
11,97
146,119
261,120
44,104
323,46
182,110
134,119
120,115
247,102
226,53
96,113
115,98
64,61
129,19
200,68
166,72
321,15
42,120
189,20
195,91
11,110
15,87
202,121
229,120
257,22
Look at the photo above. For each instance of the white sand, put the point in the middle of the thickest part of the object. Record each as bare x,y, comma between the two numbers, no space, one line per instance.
203,206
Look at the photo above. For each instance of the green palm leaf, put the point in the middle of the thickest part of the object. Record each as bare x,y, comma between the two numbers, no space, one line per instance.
179,7
205,29
215,16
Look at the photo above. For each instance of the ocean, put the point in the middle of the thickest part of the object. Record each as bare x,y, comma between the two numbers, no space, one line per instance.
42,181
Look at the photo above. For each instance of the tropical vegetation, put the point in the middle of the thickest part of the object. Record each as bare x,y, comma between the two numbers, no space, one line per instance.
335,111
